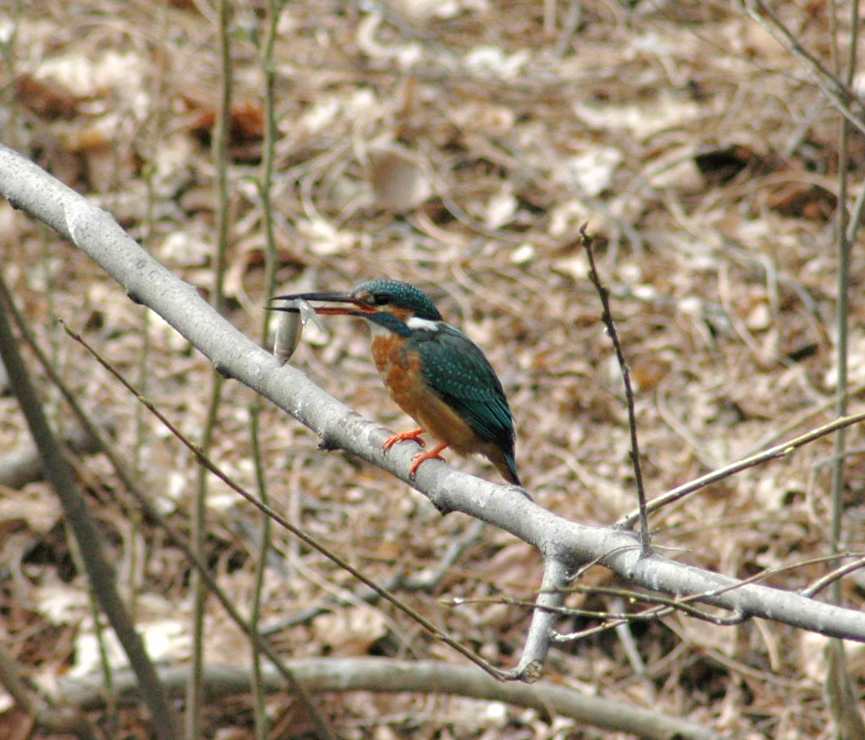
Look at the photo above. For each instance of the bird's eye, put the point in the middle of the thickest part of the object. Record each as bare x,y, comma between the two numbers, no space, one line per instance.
379,299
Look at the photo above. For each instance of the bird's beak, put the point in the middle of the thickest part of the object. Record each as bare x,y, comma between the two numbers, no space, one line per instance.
357,309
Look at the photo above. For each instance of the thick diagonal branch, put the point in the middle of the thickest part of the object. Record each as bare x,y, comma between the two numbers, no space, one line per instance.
96,233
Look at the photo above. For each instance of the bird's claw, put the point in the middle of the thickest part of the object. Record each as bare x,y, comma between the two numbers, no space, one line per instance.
414,435
422,457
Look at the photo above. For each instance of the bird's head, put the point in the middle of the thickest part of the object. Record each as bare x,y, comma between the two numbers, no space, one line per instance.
392,304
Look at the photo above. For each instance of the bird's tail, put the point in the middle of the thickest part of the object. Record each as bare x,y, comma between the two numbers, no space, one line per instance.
506,464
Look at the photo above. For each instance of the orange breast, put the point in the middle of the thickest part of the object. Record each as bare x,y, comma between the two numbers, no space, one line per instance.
401,373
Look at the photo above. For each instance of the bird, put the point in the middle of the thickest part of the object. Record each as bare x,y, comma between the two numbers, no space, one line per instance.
433,371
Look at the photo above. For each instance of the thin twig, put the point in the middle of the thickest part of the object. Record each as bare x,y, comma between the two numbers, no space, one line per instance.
842,311
221,133
833,576
607,317
781,450
426,581
265,184
838,681
841,96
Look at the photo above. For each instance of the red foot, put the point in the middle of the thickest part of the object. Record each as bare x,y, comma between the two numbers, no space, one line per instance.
413,435
433,454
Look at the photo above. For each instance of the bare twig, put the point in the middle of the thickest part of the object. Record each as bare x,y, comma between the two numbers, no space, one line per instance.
221,134
835,575
265,184
611,618
840,95
842,311
550,597
773,453
838,682
607,317
426,581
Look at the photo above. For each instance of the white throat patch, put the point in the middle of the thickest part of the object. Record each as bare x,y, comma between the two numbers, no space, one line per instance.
415,323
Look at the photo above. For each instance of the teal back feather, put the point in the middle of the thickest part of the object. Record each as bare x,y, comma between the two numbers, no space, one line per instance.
458,372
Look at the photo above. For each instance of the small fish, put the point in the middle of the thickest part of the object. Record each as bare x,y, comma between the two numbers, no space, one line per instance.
293,316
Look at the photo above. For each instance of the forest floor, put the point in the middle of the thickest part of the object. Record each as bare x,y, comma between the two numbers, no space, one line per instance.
460,146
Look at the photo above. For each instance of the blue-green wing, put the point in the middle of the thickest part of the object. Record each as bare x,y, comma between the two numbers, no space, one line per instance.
457,370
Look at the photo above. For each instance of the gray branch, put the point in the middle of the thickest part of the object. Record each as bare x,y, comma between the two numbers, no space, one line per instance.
23,464
377,674
563,544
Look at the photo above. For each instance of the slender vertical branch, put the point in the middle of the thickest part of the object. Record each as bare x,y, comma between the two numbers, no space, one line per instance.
274,7
221,133
264,186
839,685
843,310
550,599
607,317
151,145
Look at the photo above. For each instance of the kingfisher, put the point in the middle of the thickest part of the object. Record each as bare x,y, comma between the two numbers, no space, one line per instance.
433,372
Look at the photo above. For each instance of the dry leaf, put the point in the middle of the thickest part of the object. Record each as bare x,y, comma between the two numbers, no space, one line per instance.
399,179
350,631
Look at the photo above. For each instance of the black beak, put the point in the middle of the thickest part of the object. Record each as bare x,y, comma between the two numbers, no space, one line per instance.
360,309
